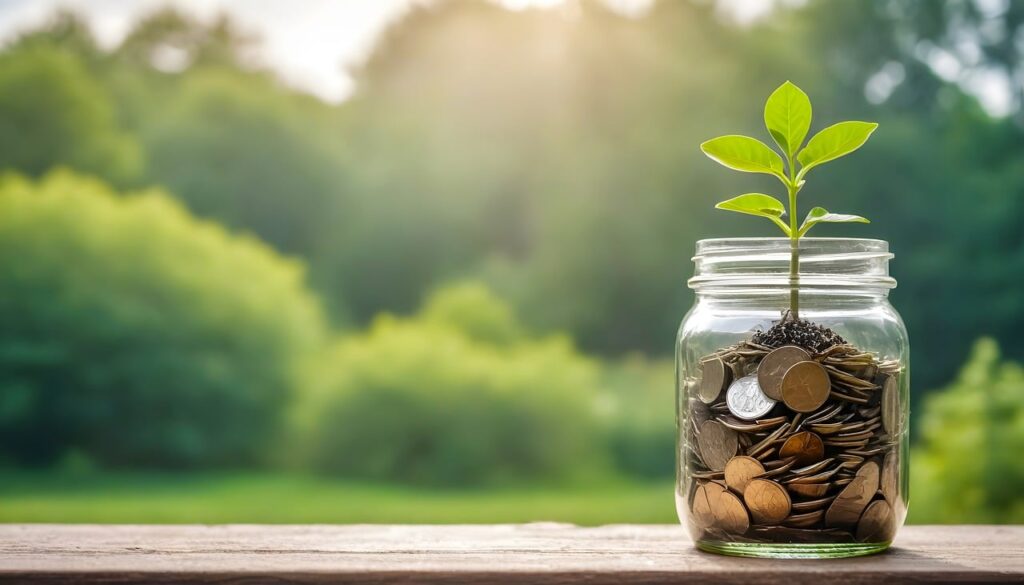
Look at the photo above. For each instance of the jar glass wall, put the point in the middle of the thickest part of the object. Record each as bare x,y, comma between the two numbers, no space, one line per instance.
792,431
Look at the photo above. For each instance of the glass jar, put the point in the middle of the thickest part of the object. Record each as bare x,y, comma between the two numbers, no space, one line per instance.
801,451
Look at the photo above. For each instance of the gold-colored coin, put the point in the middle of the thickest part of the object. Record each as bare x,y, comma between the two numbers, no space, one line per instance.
877,523
806,446
730,515
805,386
767,501
740,470
714,377
774,366
850,503
717,444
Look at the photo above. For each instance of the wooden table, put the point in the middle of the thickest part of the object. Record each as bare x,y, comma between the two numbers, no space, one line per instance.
530,553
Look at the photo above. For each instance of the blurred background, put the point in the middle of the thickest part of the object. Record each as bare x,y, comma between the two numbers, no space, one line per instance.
396,261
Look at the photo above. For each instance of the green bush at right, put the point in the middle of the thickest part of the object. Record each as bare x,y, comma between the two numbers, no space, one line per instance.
967,465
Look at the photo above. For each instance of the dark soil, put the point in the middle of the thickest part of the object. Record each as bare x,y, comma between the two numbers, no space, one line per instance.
791,331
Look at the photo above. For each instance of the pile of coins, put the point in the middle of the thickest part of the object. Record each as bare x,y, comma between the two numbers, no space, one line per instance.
794,446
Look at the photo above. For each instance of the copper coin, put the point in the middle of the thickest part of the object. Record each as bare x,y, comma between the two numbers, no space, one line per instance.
730,515
891,405
740,470
805,386
768,501
877,523
805,446
804,520
808,490
890,477
811,505
703,507
850,503
714,377
717,444
774,366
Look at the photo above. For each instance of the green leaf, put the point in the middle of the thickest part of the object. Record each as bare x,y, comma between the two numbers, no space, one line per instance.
820,214
787,115
743,153
757,204
833,142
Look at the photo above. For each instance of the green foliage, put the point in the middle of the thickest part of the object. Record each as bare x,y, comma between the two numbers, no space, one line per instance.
641,426
53,112
135,335
475,311
237,149
757,204
787,115
742,153
820,214
833,142
421,401
967,467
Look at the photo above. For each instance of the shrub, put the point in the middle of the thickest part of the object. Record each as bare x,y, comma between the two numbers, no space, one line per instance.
641,426
475,311
966,468
420,401
137,335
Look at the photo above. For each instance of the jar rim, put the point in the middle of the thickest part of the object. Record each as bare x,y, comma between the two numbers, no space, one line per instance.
833,263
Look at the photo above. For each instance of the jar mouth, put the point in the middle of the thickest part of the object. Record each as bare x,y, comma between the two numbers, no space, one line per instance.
834,263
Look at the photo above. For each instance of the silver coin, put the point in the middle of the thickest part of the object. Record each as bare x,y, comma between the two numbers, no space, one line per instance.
746,400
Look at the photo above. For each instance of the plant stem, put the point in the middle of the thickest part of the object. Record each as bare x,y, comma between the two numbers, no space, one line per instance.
794,245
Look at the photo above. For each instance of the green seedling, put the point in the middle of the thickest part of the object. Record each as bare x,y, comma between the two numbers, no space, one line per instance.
787,115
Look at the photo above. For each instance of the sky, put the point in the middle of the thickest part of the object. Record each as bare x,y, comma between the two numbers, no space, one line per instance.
311,43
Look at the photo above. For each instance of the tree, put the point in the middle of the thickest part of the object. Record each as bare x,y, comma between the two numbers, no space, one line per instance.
137,335
54,112
238,149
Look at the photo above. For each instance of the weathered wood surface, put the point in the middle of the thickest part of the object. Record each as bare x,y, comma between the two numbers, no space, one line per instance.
531,553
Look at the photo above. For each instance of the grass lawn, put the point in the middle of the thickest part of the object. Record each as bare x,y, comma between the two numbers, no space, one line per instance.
274,498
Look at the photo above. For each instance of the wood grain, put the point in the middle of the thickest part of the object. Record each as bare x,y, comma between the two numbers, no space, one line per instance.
530,553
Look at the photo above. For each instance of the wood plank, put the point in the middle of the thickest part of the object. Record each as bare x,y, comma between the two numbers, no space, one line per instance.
530,553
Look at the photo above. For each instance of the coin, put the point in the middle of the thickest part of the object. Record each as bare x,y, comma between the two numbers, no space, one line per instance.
740,470
773,367
745,399
890,472
730,515
717,444
891,405
713,379
848,505
703,509
767,501
877,523
805,446
804,520
808,490
809,505
805,386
